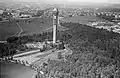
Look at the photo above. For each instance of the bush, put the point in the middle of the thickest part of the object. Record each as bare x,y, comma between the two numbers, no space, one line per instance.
59,55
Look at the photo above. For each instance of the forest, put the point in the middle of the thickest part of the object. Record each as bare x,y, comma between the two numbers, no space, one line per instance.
96,54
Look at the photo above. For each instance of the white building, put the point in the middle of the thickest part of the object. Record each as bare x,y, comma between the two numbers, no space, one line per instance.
119,23
35,45
94,23
15,15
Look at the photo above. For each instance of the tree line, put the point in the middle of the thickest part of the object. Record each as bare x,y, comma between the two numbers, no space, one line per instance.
17,43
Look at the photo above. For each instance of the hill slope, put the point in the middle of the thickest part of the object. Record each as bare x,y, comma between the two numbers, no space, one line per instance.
96,53
37,25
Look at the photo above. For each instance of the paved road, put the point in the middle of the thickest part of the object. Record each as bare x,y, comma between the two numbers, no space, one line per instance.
29,52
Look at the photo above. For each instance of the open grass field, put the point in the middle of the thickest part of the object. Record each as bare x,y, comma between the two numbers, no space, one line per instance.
36,25
82,19
8,29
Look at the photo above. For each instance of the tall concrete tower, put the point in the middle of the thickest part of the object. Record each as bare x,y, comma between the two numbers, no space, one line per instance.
55,24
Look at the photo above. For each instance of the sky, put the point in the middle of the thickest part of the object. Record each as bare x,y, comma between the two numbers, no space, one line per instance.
70,0
66,1
94,0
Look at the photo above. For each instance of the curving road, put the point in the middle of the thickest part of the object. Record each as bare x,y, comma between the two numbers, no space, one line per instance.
21,30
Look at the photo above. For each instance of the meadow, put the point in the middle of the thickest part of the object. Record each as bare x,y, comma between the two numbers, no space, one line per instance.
8,29
36,25
82,19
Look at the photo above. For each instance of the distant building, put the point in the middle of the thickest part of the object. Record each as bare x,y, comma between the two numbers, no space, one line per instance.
1,11
94,23
15,15
25,16
35,45
119,23
116,30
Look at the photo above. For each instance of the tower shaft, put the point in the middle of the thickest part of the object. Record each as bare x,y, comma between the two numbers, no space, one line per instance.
55,25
